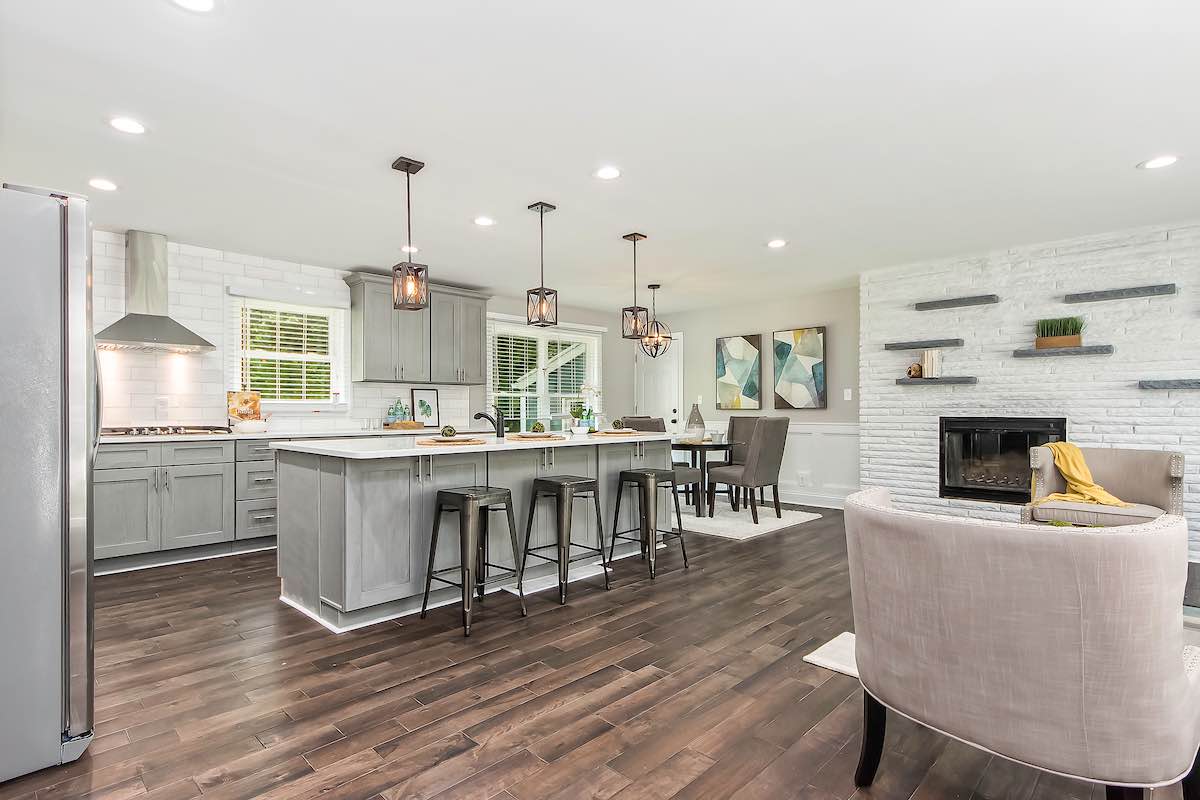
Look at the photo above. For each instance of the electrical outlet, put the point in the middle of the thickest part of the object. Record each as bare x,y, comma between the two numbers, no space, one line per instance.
848,394
162,406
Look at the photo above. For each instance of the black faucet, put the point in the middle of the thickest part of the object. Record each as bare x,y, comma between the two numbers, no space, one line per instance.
497,421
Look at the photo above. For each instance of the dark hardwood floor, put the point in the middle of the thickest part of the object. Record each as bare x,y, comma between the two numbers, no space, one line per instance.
688,687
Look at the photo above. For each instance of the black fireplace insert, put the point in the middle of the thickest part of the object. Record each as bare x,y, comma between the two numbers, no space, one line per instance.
987,458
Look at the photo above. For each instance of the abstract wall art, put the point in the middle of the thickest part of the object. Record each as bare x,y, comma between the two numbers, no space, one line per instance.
800,368
739,372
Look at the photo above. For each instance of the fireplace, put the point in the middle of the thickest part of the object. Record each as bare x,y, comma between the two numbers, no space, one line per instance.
987,458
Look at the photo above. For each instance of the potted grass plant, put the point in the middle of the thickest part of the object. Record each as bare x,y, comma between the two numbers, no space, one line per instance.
1060,332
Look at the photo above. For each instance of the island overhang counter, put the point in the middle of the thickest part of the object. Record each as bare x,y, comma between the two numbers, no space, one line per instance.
355,516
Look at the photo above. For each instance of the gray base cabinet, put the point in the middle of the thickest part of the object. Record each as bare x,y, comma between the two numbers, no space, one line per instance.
197,505
126,511
615,458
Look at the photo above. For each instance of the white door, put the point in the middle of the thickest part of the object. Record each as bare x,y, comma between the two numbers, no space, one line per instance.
660,385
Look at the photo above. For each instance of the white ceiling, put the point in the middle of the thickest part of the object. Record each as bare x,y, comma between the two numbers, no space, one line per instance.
864,133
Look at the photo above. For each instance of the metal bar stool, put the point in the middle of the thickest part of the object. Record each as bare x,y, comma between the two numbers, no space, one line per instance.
473,503
648,482
565,489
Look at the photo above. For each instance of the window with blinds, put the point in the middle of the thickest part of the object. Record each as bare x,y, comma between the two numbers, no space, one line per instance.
288,353
539,374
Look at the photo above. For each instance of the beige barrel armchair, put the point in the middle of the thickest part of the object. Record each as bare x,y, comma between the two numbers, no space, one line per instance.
1062,651
1152,480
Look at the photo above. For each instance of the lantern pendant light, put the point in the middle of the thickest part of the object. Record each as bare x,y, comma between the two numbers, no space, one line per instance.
541,306
657,338
634,318
410,282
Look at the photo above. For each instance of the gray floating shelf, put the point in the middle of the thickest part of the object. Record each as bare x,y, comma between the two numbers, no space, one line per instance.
958,302
923,344
1185,383
1050,352
954,379
1121,294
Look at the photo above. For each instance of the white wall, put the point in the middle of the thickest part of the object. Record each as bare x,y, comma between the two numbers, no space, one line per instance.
194,385
1098,395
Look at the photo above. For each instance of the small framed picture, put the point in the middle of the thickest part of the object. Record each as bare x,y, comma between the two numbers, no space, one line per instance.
425,407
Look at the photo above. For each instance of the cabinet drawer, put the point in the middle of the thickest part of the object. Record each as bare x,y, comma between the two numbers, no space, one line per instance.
256,449
196,453
125,456
255,518
255,480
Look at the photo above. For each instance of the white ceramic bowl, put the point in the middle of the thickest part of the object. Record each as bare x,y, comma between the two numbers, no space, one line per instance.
580,430
250,426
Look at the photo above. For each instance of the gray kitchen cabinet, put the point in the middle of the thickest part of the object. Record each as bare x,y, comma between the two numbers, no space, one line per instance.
458,336
256,449
197,505
386,345
448,471
207,452
255,480
124,456
612,460
126,514
512,470
255,518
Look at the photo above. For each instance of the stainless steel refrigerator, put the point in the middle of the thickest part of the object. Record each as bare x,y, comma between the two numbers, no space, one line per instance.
48,392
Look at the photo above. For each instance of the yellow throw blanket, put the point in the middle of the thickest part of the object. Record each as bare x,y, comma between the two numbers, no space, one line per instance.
1068,458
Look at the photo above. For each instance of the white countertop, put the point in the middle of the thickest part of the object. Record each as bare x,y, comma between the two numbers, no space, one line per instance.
386,448
282,434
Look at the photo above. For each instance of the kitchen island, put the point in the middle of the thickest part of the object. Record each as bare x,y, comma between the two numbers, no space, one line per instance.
356,515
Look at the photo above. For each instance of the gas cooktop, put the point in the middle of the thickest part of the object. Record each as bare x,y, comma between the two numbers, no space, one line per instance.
164,430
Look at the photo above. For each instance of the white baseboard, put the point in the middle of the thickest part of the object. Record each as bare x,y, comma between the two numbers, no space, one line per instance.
813,499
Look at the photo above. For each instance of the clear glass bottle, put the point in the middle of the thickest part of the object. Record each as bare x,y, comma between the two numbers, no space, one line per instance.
694,429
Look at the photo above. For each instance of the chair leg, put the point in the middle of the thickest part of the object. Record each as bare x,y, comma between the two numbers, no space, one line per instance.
712,498
604,562
753,505
437,524
679,522
563,506
468,533
612,546
735,497
533,498
698,495
762,495
775,497
648,501
874,727
481,553
516,547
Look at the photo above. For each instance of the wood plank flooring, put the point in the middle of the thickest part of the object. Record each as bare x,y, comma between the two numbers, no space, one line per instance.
691,686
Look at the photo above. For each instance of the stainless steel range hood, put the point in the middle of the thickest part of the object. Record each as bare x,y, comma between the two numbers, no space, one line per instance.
146,326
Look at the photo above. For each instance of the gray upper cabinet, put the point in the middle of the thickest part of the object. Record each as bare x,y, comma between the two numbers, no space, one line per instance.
445,343
458,336
126,515
197,505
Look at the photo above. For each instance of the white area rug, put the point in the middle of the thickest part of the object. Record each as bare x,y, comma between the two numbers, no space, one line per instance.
837,654
729,524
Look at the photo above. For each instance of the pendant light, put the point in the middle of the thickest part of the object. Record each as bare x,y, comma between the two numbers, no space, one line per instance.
634,319
410,282
541,306
657,338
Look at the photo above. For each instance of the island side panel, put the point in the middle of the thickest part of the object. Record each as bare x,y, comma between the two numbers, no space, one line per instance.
383,552
332,567
298,515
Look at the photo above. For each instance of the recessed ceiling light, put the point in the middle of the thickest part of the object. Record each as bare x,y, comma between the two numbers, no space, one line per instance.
408,248
127,125
607,173
775,244
199,6
1158,162
485,222
103,184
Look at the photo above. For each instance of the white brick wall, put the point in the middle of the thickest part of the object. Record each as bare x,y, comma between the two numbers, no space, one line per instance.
1154,338
195,385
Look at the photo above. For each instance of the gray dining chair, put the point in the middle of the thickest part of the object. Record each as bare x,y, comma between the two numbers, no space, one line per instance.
764,456
738,431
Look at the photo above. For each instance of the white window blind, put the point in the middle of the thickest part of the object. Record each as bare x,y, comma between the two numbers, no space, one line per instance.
537,374
287,353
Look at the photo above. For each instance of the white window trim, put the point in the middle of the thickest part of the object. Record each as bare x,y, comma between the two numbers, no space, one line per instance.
510,323
339,345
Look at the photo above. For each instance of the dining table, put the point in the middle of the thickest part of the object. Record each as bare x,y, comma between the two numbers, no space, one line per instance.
698,450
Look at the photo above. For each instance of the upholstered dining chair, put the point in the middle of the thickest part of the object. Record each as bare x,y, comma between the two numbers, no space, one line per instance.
1151,480
738,431
764,456
1062,651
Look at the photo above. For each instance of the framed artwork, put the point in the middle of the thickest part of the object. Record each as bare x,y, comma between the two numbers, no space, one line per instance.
425,407
739,372
800,378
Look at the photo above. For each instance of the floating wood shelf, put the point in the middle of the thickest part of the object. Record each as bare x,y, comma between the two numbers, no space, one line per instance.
953,379
923,344
958,302
1121,294
1183,383
1050,352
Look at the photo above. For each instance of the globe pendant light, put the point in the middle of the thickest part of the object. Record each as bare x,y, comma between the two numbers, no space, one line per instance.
634,318
541,306
410,282
657,338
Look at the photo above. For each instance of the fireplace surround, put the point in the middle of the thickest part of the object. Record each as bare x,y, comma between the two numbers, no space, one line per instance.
987,458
